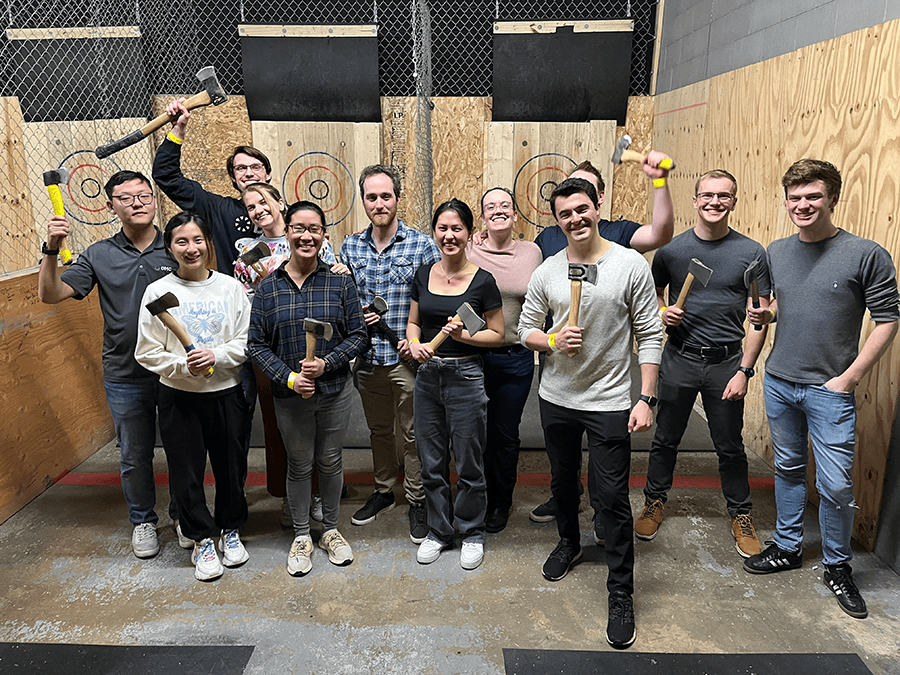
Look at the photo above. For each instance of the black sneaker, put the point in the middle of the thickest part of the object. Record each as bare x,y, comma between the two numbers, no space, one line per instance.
838,578
496,520
599,532
375,504
620,624
544,513
773,559
564,556
418,528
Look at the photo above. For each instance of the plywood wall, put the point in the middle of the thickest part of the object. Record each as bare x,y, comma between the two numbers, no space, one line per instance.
52,399
16,217
838,101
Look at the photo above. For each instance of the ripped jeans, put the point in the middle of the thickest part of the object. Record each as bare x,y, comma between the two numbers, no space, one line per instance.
796,411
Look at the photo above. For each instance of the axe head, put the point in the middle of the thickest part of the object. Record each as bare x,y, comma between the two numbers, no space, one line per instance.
700,271
210,82
751,273
623,144
58,176
379,306
582,272
319,328
472,321
162,303
255,254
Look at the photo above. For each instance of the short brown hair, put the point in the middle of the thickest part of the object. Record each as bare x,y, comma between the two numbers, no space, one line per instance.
512,197
806,171
246,150
376,169
715,173
571,186
587,167
268,192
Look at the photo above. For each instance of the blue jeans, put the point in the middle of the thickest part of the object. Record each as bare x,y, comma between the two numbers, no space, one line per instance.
133,409
796,411
313,429
449,411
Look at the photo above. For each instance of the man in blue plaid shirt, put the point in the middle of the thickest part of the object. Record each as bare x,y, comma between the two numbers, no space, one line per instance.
383,259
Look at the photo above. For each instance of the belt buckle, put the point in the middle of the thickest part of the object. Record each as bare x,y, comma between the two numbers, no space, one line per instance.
711,352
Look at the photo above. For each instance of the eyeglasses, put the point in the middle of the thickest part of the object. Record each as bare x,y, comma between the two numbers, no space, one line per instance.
724,197
127,200
241,168
299,228
502,206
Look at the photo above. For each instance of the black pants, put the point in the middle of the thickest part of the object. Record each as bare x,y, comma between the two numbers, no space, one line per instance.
192,425
609,459
681,377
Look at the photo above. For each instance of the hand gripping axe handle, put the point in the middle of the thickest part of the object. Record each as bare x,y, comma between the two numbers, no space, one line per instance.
623,154
470,319
315,328
159,308
578,273
53,179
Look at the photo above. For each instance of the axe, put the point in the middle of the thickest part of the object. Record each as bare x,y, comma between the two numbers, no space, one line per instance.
159,308
212,94
751,281
623,154
696,270
53,179
467,315
252,256
379,306
578,273
314,329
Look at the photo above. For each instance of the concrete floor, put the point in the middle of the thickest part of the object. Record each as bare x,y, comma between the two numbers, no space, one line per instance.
69,576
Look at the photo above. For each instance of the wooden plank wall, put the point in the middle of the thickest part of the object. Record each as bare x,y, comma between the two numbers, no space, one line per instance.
837,100
51,389
16,217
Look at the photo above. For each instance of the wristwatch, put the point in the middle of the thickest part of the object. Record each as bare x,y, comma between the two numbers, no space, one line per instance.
749,372
48,251
649,400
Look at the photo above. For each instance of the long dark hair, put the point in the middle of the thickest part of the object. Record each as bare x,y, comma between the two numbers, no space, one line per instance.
460,208
184,218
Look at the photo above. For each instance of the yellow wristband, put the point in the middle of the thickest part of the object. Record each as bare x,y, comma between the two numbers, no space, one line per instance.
414,340
291,379
663,309
659,182
772,312
172,137
551,341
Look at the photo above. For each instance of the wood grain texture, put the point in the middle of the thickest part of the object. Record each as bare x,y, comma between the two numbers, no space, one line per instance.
16,216
52,396
632,193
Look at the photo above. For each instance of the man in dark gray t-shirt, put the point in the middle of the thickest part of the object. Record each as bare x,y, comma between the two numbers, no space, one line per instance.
824,279
703,354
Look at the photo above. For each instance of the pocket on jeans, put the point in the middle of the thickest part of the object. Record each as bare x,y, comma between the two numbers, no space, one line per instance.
471,369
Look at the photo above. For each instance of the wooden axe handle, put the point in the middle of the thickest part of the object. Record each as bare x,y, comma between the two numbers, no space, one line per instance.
574,305
633,156
754,294
438,339
181,334
682,297
196,101
310,353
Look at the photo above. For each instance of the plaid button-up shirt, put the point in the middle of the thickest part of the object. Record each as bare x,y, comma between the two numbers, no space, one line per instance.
388,273
277,342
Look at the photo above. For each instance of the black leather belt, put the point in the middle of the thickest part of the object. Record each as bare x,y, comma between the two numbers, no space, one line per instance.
714,352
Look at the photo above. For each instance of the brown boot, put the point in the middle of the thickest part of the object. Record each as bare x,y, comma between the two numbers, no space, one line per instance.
647,524
745,539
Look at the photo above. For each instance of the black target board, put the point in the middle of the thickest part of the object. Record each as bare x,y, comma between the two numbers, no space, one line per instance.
563,76
311,79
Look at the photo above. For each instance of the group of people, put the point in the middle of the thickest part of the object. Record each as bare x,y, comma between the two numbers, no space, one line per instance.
394,314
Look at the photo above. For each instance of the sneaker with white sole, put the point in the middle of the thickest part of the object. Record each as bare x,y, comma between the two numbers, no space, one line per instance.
300,558
144,541
183,541
429,551
316,511
471,555
233,552
206,561
339,551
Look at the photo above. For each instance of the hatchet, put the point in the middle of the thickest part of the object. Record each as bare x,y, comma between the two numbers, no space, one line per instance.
578,273
696,270
470,319
379,306
53,179
159,308
252,256
623,154
751,281
212,94
315,328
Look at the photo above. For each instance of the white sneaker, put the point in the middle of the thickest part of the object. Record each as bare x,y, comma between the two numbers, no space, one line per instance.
233,551
429,551
144,541
339,551
206,561
183,541
471,555
316,512
299,559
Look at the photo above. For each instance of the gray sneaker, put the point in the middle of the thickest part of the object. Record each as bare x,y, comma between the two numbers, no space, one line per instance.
300,558
144,541
339,551
183,541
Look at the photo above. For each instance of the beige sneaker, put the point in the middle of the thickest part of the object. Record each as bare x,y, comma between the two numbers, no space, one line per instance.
647,524
339,552
299,559
745,540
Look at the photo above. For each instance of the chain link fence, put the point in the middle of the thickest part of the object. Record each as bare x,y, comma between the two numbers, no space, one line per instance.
76,75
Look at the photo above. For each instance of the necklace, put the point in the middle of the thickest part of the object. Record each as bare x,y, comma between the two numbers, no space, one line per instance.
451,278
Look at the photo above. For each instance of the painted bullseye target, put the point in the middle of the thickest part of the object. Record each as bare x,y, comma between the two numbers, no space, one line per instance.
323,179
535,182
84,198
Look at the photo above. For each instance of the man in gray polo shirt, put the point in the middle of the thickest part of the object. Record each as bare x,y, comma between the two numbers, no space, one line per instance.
121,267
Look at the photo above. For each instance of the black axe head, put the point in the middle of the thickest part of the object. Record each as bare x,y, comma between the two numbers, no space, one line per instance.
210,82
582,272
255,254
162,303
751,273
379,306
58,176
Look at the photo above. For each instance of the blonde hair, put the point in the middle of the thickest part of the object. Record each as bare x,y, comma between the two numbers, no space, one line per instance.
270,194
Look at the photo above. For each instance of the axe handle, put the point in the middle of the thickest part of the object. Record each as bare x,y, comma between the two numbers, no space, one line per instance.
682,297
59,209
633,156
754,294
310,352
181,334
574,305
438,339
